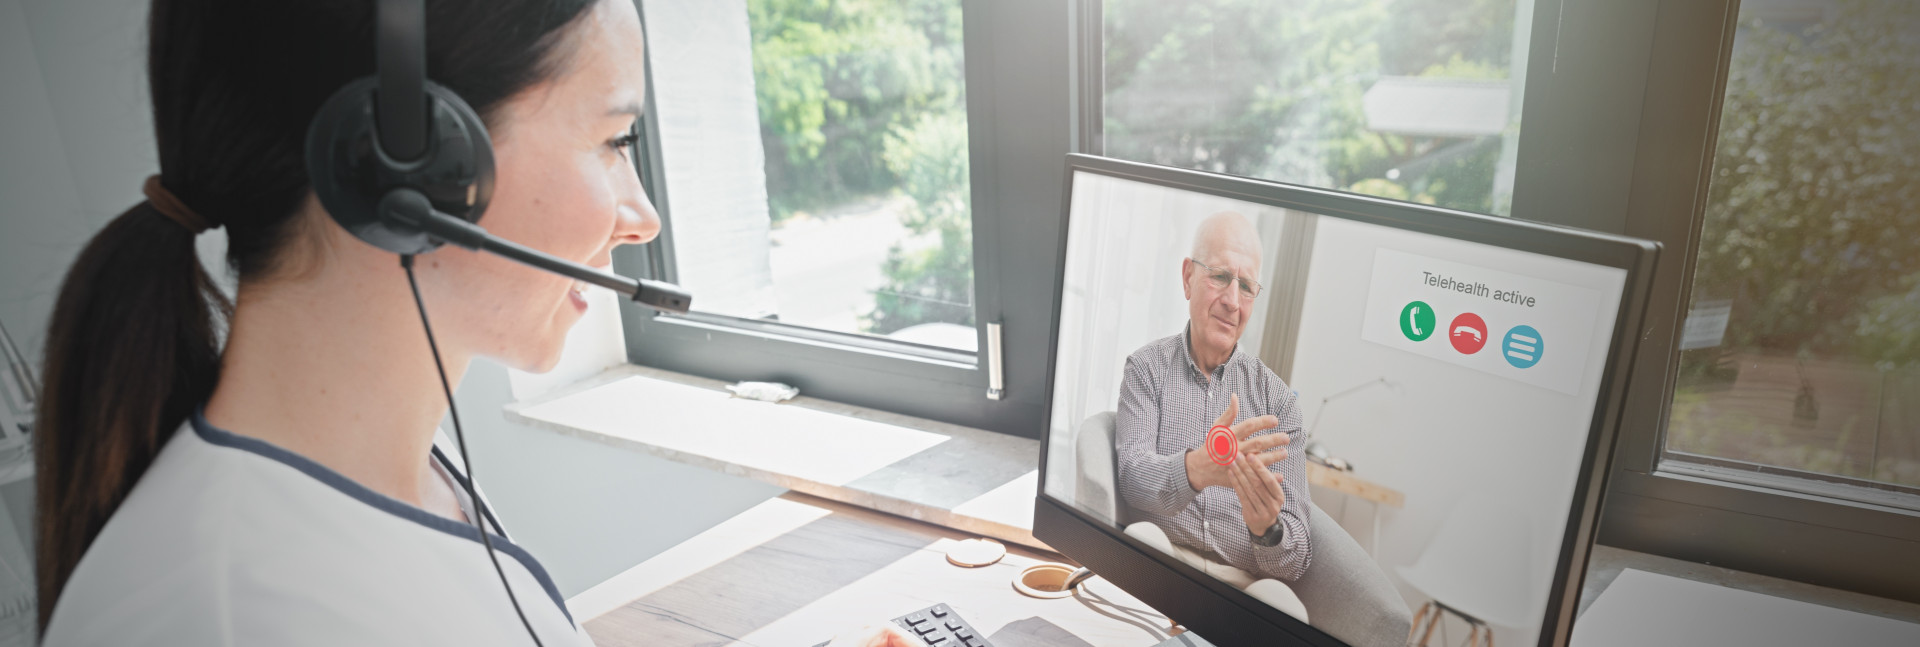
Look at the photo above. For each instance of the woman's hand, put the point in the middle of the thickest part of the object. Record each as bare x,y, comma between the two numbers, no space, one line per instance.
881,635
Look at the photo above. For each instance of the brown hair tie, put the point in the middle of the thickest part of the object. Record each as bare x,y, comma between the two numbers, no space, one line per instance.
170,206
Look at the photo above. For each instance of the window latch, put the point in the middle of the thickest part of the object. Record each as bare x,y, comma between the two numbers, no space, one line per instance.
996,383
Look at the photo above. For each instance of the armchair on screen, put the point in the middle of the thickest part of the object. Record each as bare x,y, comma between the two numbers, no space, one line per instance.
1343,593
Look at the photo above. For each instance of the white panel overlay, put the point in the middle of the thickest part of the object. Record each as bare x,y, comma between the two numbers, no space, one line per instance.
1518,327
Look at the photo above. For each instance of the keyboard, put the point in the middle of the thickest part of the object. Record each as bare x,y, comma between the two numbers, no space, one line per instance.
939,626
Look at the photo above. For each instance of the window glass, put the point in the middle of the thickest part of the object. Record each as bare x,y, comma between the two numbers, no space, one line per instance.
866,226
1406,99
1802,345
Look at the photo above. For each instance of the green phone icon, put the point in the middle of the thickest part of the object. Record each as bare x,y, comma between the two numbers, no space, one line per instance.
1416,320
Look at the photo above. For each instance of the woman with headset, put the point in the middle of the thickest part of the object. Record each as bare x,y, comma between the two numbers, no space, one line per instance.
290,486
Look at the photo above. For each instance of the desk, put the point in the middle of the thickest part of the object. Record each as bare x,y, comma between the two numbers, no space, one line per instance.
1658,602
818,567
809,567
978,481
1608,562
800,568
1349,484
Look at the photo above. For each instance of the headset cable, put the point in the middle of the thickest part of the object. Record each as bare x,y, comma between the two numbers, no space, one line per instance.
479,513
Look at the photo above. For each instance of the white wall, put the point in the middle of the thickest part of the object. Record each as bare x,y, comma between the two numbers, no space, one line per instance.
74,98
76,141
1454,440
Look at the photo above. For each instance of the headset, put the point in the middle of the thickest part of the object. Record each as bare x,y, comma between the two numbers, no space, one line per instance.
406,165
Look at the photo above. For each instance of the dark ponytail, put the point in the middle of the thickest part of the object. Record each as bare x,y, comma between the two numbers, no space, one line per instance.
130,353
132,348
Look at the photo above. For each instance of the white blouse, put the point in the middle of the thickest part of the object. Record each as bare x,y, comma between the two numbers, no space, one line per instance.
230,540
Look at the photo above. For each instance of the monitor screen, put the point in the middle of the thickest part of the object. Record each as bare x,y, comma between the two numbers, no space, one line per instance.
1437,395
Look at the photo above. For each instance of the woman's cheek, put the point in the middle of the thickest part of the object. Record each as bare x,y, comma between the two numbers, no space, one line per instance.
592,222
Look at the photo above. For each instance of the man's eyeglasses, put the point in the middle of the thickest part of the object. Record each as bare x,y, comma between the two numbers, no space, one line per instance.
1220,277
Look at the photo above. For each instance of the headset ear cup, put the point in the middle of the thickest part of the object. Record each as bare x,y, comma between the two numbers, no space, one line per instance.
341,148
458,175
349,172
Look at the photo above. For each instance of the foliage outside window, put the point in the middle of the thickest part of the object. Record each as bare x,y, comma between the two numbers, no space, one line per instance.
1405,99
1803,347
863,120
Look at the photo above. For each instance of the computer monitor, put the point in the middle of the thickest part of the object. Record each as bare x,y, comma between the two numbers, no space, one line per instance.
1450,384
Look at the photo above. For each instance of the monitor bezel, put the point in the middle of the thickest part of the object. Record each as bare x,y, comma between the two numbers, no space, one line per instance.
1226,615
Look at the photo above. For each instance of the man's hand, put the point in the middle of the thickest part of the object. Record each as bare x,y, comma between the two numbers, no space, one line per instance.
1259,492
1203,473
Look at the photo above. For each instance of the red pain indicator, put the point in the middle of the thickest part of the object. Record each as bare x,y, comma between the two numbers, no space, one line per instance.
1222,446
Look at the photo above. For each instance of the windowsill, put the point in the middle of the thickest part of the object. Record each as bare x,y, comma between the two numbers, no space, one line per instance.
1607,562
1787,482
959,477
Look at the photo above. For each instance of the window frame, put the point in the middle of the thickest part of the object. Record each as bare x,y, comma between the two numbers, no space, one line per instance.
1018,121
1646,135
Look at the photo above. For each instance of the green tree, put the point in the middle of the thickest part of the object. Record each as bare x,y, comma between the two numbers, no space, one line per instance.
1272,88
863,98
929,283
834,77
1422,33
1225,85
1811,221
1810,231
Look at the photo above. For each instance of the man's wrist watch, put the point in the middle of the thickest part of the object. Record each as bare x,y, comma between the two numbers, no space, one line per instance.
1272,537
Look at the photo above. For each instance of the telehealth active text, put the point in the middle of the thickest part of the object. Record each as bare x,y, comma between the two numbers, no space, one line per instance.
1477,289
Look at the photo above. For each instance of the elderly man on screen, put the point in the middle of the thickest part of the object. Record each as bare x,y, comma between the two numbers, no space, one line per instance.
1251,511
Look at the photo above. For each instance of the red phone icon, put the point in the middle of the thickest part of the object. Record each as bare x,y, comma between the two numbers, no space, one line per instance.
1468,333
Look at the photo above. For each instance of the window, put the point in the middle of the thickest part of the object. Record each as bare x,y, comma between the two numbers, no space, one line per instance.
866,225
861,218
1405,99
857,193
1801,350
1749,138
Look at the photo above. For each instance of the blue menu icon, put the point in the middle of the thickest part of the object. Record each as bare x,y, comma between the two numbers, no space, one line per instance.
1523,347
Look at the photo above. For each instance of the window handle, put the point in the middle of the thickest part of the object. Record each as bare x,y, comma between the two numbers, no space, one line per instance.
996,384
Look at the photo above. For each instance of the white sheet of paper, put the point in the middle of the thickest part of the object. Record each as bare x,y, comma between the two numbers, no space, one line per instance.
1648,610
